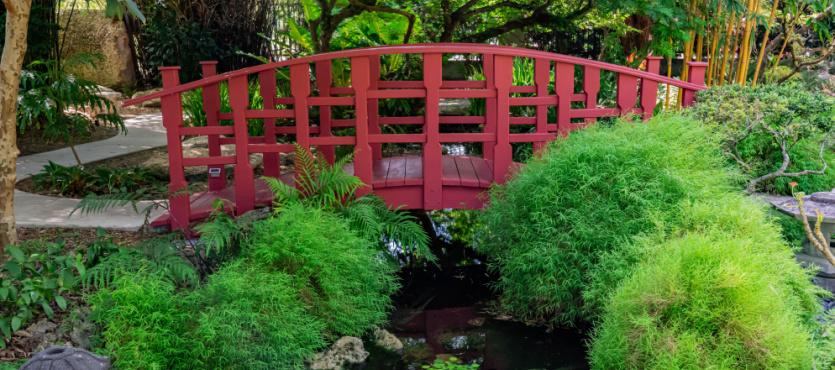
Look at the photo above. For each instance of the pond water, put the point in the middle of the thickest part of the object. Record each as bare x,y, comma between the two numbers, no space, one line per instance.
447,310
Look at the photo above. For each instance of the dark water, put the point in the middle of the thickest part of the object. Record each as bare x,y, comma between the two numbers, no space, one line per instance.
447,310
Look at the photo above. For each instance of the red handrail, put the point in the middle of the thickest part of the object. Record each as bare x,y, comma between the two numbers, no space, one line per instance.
431,181
447,48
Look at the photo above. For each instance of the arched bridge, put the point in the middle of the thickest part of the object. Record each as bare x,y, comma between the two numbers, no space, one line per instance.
429,179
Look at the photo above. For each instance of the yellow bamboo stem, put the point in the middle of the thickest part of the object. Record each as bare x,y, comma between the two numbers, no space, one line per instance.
765,42
713,45
729,46
749,44
669,75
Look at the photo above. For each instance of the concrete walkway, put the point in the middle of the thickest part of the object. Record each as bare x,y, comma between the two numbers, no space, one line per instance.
32,210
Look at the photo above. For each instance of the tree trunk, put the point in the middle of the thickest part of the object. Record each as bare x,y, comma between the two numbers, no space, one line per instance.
17,24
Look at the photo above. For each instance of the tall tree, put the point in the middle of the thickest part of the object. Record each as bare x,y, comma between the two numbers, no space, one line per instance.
14,49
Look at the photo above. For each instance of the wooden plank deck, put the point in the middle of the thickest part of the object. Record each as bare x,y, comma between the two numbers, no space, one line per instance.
394,172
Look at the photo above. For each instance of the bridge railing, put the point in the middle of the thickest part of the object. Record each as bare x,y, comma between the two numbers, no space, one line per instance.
636,94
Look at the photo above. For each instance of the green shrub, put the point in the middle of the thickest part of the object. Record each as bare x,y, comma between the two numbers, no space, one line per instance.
772,131
710,299
253,318
591,192
344,280
143,322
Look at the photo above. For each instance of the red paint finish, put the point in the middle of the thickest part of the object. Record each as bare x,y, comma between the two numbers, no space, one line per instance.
431,180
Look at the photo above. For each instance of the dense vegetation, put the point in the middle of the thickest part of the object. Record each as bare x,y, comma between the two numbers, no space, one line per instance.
303,280
639,229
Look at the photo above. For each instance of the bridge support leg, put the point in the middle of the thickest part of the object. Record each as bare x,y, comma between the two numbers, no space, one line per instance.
432,152
502,151
172,117
364,156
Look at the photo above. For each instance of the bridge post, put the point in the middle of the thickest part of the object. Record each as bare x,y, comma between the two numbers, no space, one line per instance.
591,86
564,88
324,80
502,151
542,76
272,164
374,107
627,95
363,155
211,105
432,152
696,75
172,118
490,106
244,175
649,88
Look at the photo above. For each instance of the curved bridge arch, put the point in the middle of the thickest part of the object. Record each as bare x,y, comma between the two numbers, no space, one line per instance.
429,181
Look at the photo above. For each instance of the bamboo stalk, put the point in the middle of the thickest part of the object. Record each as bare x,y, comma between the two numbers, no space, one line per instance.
669,75
765,42
752,30
743,46
714,44
728,47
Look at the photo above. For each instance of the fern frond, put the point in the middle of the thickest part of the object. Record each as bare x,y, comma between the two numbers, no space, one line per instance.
92,204
154,256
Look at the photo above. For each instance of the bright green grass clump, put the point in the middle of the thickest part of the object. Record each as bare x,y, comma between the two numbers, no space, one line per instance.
708,301
304,280
591,193
344,280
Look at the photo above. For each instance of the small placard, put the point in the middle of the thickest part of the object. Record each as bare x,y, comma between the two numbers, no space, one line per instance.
214,172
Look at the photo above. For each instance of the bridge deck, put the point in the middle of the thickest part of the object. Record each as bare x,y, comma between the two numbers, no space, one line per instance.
398,180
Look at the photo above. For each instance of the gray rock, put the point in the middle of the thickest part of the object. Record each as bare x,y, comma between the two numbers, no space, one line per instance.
153,103
346,350
387,340
40,328
454,107
82,328
66,358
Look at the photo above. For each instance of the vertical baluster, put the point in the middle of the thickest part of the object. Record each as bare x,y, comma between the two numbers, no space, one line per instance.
374,107
300,88
364,157
272,164
591,86
244,176
172,118
696,75
649,88
490,106
432,152
502,151
211,105
564,85
542,76
324,79
627,93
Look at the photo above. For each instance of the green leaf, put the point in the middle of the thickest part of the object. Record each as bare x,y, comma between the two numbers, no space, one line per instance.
48,310
13,268
61,302
16,253
4,293
4,326
16,322
80,267
134,9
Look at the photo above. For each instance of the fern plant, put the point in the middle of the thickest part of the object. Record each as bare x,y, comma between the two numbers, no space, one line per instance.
158,256
328,186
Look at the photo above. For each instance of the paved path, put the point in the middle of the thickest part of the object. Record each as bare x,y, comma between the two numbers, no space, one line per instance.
32,210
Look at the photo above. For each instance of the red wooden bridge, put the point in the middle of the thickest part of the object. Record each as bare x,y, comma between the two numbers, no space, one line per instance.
427,181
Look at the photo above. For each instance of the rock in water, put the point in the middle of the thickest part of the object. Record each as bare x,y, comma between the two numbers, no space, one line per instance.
346,350
66,358
387,340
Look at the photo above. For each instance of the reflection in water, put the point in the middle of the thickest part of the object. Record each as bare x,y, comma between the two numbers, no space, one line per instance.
445,310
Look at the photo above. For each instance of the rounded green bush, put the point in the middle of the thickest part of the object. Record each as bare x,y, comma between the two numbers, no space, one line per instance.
591,193
341,277
711,299
253,318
